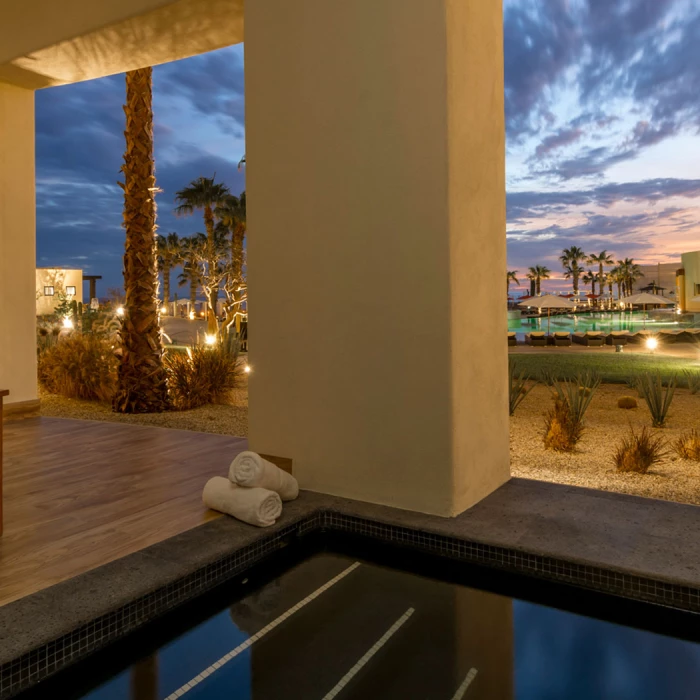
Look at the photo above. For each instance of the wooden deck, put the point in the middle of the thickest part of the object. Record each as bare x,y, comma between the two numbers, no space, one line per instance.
79,494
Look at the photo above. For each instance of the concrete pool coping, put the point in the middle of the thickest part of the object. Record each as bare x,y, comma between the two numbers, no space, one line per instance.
626,545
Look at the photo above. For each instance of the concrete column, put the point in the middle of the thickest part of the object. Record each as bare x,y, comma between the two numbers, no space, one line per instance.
376,193
17,246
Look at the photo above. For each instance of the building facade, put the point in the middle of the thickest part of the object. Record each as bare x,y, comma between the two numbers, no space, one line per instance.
53,285
689,282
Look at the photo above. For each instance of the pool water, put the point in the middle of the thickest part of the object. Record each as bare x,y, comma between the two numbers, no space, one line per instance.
631,321
335,626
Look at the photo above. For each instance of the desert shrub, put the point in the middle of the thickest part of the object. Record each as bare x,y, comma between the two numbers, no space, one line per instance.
46,337
577,393
548,376
79,367
687,446
564,422
627,402
657,396
518,387
638,452
202,375
692,380
562,431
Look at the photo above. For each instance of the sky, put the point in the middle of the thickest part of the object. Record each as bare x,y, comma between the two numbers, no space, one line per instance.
602,122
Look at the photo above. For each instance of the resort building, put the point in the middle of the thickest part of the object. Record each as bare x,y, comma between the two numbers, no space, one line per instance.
54,285
658,276
688,281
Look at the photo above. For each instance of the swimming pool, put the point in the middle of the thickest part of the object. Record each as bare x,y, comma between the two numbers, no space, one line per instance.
607,321
332,625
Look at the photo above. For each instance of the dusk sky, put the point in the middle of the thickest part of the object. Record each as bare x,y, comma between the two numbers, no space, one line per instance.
603,132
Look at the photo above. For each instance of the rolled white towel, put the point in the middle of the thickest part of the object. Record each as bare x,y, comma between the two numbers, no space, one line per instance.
250,469
253,506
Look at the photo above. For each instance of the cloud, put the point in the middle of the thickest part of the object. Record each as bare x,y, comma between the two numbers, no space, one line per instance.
563,137
541,40
526,205
79,151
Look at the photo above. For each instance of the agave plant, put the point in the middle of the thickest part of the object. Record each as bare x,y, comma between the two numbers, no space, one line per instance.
692,380
577,393
657,396
518,387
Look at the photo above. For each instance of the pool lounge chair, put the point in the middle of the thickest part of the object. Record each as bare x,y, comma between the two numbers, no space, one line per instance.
536,338
640,337
512,340
592,339
560,338
669,336
617,338
689,335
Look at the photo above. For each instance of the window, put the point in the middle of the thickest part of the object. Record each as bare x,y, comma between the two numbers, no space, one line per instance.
48,291
697,289
70,291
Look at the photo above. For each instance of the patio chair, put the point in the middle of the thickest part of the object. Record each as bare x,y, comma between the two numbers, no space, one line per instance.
560,339
617,338
536,338
512,340
591,339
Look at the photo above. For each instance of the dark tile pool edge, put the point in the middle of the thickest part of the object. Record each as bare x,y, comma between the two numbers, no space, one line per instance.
39,663
618,583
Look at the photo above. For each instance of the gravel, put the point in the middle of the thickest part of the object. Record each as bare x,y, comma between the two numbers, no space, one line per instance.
223,419
591,464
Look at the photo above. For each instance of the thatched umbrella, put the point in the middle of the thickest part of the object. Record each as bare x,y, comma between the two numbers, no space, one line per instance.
549,302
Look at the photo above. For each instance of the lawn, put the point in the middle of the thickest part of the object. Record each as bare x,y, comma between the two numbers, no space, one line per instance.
615,368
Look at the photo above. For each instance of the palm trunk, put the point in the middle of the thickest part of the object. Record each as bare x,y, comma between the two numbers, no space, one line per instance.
212,297
141,386
538,286
166,283
193,291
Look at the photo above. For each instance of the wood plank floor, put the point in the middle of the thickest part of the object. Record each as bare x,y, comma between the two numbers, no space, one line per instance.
79,494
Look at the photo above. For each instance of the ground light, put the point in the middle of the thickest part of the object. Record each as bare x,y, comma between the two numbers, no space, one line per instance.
210,339
191,315
120,311
652,344
247,369
68,322
164,309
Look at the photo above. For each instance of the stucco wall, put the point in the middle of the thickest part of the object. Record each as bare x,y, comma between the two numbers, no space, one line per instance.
50,42
691,265
385,167
17,247
60,280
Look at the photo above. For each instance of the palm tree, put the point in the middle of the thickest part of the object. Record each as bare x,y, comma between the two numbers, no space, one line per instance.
589,277
616,277
511,276
532,276
603,258
204,194
539,273
232,215
570,259
630,273
191,249
542,274
141,383
168,257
